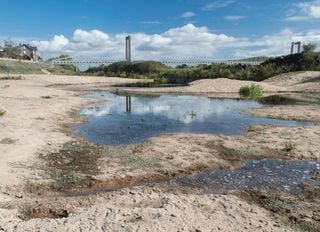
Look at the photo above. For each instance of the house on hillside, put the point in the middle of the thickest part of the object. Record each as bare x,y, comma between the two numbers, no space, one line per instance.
28,52
1,51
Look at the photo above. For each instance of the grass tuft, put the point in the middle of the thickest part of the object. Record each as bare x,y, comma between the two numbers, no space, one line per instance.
2,112
46,97
139,162
11,78
290,146
252,92
8,141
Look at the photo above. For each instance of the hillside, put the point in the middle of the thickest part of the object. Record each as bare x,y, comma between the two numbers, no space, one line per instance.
297,62
23,67
306,61
257,59
295,78
304,81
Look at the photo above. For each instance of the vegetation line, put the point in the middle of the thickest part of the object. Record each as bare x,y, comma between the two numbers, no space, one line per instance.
307,60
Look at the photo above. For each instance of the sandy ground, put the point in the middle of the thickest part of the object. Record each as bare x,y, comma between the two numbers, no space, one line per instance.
34,124
219,86
150,209
300,81
297,82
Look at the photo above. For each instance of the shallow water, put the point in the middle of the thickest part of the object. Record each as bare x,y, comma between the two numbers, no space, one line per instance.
279,175
113,122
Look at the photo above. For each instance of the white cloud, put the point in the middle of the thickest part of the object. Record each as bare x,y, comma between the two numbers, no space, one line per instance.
57,43
279,43
93,37
304,11
234,17
218,4
82,43
185,42
297,18
315,11
188,14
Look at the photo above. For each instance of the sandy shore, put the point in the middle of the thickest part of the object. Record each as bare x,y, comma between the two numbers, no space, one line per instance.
38,108
33,122
295,82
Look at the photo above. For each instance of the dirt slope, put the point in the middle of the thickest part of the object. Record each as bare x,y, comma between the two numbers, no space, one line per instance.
301,81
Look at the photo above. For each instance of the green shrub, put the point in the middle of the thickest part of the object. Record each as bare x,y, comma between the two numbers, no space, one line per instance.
8,141
253,91
290,146
46,97
12,78
2,112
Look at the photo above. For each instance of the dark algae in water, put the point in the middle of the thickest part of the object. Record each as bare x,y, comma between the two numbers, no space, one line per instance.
278,100
270,174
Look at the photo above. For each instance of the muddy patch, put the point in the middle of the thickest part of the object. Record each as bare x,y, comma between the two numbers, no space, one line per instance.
82,168
28,212
299,211
140,167
72,167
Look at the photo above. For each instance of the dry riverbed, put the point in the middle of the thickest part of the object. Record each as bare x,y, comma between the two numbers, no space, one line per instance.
54,181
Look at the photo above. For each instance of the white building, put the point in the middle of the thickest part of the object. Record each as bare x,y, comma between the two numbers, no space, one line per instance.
28,52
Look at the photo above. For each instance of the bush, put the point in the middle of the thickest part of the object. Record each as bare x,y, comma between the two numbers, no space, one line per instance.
129,69
11,78
290,146
46,97
253,91
2,112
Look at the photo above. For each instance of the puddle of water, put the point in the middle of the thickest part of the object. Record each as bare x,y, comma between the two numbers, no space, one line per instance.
149,85
279,175
128,120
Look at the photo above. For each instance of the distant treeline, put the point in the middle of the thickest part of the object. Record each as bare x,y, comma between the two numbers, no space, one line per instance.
308,60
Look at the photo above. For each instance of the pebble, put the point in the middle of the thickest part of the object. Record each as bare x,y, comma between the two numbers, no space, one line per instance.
19,196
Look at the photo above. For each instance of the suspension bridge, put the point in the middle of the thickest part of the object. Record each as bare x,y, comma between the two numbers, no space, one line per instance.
189,62
173,62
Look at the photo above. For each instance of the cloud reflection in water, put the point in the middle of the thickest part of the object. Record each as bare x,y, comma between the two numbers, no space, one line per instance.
108,122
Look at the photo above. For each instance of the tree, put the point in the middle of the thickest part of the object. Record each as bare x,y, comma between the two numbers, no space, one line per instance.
64,57
309,48
310,57
10,50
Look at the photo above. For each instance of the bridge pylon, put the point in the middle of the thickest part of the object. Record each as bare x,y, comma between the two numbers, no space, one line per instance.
128,48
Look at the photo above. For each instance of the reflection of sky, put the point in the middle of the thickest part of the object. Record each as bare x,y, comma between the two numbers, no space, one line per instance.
108,123
185,109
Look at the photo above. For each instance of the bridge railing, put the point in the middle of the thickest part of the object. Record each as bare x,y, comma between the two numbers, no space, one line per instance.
65,62
167,62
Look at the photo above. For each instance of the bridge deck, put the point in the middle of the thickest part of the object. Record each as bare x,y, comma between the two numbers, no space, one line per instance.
169,62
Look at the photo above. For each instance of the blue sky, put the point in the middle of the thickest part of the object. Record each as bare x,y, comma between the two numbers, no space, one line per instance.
221,29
